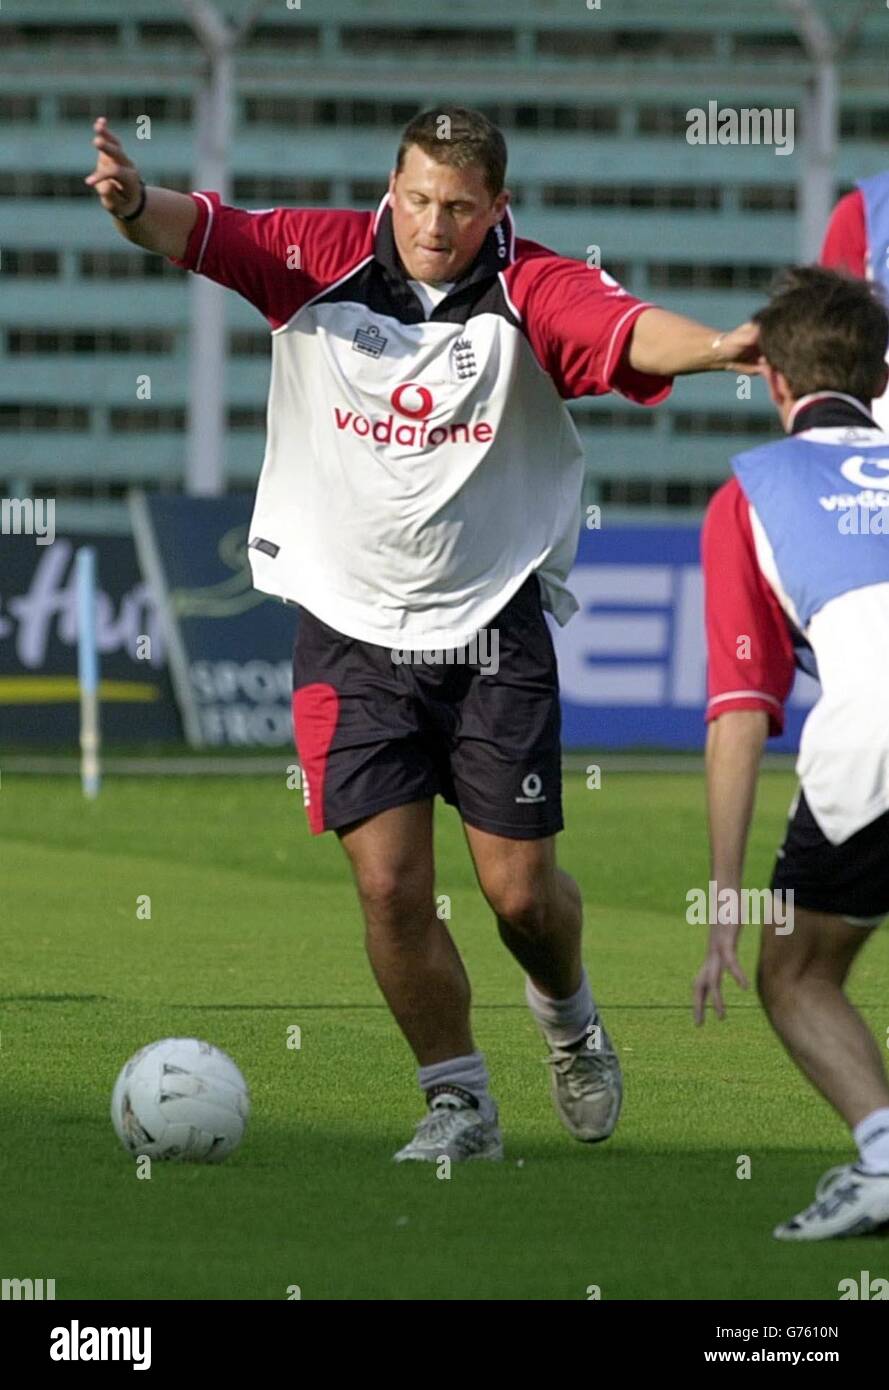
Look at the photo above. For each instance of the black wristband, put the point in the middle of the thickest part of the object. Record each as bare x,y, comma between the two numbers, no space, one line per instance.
131,216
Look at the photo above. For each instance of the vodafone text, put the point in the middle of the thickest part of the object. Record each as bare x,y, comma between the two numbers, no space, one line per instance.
414,434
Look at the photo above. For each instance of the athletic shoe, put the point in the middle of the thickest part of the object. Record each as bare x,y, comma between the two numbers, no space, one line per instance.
587,1088
848,1202
453,1129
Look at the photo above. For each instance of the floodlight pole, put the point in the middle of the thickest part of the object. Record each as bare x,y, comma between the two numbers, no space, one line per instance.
205,460
816,183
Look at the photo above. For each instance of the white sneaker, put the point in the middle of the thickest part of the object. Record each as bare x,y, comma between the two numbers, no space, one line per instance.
848,1202
453,1129
587,1088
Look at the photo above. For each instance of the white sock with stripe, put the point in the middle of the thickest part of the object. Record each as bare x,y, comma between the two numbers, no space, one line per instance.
564,1021
872,1137
461,1077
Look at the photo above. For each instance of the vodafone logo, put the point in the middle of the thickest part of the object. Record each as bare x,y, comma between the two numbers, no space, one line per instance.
412,400
532,790
414,403
854,470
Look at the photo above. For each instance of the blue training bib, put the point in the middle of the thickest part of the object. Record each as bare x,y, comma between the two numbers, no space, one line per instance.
825,510
875,192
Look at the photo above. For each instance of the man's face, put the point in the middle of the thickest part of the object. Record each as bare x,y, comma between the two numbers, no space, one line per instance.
440,215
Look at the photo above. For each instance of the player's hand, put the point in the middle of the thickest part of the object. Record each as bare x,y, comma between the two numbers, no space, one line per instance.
739,350
115,178
721,959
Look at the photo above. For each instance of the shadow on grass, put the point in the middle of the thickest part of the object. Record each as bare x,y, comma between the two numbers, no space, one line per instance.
56,999
324,1207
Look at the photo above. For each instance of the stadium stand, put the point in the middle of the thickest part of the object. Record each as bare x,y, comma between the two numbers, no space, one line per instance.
593,104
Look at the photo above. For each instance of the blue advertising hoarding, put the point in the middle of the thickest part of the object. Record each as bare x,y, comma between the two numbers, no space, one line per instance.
633,660
230,647
39,690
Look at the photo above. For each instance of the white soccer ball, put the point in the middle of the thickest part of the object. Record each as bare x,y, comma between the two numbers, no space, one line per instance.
180,1099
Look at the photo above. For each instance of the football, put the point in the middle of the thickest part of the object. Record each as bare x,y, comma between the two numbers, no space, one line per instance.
180,1099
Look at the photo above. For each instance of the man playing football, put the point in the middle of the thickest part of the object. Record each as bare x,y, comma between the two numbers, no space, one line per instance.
422,484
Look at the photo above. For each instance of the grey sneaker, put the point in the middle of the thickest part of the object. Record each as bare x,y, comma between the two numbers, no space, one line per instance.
847,1202
587,1087
455,1130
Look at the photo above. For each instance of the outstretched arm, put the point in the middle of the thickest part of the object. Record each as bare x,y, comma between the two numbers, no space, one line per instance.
168,217
668,344
734,747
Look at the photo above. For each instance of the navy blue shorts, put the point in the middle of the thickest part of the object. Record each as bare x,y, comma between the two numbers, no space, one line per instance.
373,732
849,880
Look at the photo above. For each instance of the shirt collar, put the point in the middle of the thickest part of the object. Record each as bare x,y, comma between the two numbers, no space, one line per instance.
497,251
826,410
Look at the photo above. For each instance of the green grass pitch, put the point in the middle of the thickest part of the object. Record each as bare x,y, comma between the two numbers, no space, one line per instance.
254,927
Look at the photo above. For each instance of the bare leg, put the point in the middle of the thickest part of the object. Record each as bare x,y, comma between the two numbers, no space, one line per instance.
539,914
800,981
538,907
411,951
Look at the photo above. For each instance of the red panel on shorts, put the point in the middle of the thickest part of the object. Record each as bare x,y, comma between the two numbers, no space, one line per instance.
315,713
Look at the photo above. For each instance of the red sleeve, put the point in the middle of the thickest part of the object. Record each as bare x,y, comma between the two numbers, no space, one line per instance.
739,604
578,320
845,242
279,258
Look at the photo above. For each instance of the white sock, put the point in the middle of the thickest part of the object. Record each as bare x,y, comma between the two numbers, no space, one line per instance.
463,1077
872,1137
563,1021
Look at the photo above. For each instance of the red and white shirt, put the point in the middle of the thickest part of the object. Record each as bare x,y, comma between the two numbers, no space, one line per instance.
417,468
845,248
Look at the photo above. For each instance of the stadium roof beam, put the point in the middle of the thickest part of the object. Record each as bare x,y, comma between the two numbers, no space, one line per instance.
614,77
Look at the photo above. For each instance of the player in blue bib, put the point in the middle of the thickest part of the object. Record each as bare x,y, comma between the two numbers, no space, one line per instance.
795,553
